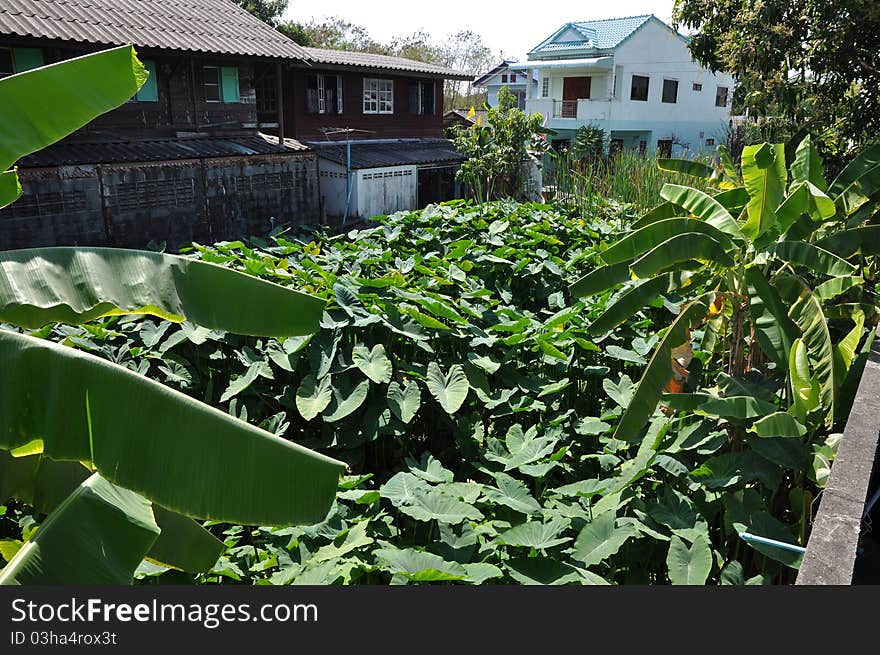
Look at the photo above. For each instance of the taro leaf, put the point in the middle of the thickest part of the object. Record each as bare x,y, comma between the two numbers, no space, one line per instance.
731,469
479,572
747,512
419,566
183,543
591,425
346,298
451,389
599,539
147,437
372,363
535,534
732,574
401,488
435,505
242,382
778,424
512,493
622,392
524,447
78,285
313,396
676,512
541,571
689,566
485,362
347,398
98,535
626,355
344,543
404,403
429,469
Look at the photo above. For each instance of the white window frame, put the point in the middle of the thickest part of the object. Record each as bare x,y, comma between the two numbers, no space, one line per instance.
339,94
545,87
383,100
219,84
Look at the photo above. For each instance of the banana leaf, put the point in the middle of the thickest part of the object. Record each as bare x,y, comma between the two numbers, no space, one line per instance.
683,247
704,206
44,105
77,285
813,257
182,454
98,535
659,370
10,188
600,279
631,302
639,242
764,174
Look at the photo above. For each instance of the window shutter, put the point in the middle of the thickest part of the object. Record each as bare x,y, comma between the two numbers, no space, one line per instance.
149,92
414,107
229,84
27,59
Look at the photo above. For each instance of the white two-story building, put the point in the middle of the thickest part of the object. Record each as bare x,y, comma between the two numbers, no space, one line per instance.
515,81
634,78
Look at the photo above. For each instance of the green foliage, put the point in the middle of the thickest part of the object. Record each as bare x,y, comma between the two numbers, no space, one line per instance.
497,152
832,85
66,413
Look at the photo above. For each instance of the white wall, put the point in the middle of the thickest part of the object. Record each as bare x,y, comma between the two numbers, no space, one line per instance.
331,183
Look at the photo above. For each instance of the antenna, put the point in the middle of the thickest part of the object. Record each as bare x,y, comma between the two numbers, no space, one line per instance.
332,131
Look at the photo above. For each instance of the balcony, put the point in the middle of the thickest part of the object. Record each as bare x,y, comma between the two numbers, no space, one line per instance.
570,113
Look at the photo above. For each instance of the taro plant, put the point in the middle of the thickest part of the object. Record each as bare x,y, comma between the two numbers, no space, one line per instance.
123,464
766,283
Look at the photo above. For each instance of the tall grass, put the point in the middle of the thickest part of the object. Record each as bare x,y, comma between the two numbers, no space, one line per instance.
627,177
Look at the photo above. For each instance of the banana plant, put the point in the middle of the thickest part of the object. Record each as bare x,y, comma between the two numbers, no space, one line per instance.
121,464
769,245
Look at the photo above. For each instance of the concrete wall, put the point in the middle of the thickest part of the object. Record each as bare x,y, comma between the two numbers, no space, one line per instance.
130,204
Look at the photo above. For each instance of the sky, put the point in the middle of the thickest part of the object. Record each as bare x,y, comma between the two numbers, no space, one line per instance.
510,28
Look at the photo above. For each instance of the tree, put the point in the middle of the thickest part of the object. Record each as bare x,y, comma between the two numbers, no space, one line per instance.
812,61
496,152
334,33
268,11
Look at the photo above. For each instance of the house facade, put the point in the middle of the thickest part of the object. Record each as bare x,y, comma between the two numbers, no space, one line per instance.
376,124
224,138
634,78
516,81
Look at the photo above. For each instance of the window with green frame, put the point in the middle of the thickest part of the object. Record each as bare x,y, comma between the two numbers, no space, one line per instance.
19,60
149,92
220,84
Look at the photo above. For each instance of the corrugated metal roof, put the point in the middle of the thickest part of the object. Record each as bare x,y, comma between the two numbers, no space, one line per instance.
592,35
390,152
382,62
74,153
215,26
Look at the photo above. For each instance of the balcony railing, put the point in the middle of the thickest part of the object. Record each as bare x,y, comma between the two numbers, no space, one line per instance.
565,108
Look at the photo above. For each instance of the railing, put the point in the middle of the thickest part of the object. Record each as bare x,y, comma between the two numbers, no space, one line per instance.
565,108
834,539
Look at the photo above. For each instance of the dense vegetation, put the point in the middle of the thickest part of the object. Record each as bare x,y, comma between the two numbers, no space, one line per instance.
475,403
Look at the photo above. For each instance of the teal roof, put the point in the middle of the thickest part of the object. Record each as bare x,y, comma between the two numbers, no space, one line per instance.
591,35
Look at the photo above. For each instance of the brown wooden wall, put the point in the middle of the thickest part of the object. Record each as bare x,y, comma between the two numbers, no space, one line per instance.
181,105
401,124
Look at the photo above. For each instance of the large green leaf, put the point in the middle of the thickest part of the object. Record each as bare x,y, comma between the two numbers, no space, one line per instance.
858,181
600,279
372,363
774,329
845,243
77,285
689,565
764,174
658,213
419,566
512,493
805,388
535,534
435,505
347,397
807,313
687,167
313,396
807,165
629,303
600,539
813,257
44,484
637,243
10,188
404,401
182,454
659,370
681,248
704,206
450,389
778,424
98,535
42,106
